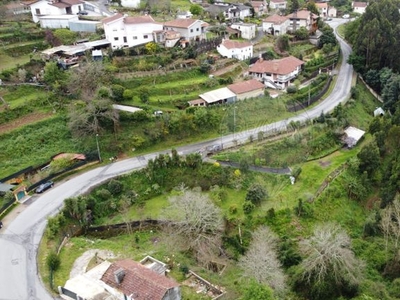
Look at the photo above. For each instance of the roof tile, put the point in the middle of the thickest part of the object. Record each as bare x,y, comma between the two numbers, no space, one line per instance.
277,66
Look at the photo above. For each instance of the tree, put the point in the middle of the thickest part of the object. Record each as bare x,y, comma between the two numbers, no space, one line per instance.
329,266
369,158
65,36
53,263
117,92
282,43
51,39
151,48
261,262
144,94
256,291
196,10
85,81
301,33
256,194
327,37
54,76
196,224
390,222
91,117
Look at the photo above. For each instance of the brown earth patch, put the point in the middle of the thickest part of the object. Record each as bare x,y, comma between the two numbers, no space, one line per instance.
324,163
372,202
22,121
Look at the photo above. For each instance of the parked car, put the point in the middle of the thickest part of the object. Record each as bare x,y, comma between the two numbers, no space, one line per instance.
1,224
44,186
82,13
346,16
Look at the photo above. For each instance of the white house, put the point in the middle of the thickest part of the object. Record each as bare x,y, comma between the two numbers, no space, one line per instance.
41,8
260,7
247,31
277,73
190,29
123,31
184,15
235,49
130,3
332,11
359,7
229,11
275,25
322,9
277,4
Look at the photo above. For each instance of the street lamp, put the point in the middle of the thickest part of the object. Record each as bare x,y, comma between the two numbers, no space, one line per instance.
98,147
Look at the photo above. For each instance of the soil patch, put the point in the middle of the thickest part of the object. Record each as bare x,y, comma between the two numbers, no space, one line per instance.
324,163
22,121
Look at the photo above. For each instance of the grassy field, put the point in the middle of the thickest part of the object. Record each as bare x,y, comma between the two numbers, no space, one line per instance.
8,62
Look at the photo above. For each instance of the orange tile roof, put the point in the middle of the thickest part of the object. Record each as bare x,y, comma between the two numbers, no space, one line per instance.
282,66
245,86
229,44
139,20
321,5
138,280
360,4
276,19
180,23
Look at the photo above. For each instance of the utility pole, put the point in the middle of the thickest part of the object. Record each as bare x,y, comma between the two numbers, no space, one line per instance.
98,147
234,122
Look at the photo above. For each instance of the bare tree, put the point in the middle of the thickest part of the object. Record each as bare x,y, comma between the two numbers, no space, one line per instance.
196,223
328,255
390,222
85,118
261,261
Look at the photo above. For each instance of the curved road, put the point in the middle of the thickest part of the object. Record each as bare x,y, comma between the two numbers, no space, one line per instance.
19,239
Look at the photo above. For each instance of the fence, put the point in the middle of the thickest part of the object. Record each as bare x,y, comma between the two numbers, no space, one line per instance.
312,100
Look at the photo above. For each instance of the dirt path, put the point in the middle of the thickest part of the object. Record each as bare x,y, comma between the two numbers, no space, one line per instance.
22,121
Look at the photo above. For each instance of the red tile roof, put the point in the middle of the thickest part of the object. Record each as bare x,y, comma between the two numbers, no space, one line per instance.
282,66
180,23
256,4
229,44
112,18
302,14
360,4
276,19
139,20
138,280
321,5
278,1
246,86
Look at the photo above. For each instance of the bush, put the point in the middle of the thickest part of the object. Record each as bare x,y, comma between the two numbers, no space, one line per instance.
248,207
115,187
291,89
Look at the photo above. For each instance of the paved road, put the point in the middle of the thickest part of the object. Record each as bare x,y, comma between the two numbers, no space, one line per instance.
20,238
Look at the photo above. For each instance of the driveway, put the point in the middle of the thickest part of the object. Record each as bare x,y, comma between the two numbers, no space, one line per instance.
19,239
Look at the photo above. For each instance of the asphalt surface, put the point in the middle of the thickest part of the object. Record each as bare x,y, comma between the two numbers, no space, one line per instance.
19,238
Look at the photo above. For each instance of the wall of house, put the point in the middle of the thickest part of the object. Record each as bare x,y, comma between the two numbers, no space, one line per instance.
247,32
278,29
241,54
45,9
55,23
130,3
251,94
190,33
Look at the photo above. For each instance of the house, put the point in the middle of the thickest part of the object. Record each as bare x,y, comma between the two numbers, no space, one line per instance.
124,31
41,8
189,29
352,136
332,12
235,49
359,7
378,112
17,8
322,9
260,8
130,3
219,96
277,4
184,15
247,31
277,73
303,18
122,280
275,25
197,102
247,89
227,11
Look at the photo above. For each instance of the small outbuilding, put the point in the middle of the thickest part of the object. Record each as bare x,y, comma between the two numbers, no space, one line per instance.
219,96
378,112
352,136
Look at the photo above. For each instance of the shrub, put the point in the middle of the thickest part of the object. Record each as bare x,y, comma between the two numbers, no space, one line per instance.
115,187
291,89
248,207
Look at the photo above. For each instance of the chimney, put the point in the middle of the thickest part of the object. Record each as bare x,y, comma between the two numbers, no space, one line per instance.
119,275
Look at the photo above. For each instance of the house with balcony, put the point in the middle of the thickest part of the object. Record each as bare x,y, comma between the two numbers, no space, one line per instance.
277,5
359,7
189,29
124,31
277,73
240,50
247,31
303,18
53,8
227,11
275,25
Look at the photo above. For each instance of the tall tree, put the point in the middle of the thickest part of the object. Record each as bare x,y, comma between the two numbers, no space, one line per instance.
261,260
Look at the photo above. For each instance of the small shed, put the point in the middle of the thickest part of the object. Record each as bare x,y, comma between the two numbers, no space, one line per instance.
219,96
378,112
352,136
4,188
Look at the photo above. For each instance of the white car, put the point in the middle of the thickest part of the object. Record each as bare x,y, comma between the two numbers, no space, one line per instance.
346,16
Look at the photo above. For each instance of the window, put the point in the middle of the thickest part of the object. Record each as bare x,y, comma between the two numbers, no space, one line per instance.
197,29
191,30
116,39
125,39
135,37
145,36
114,29
37,11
